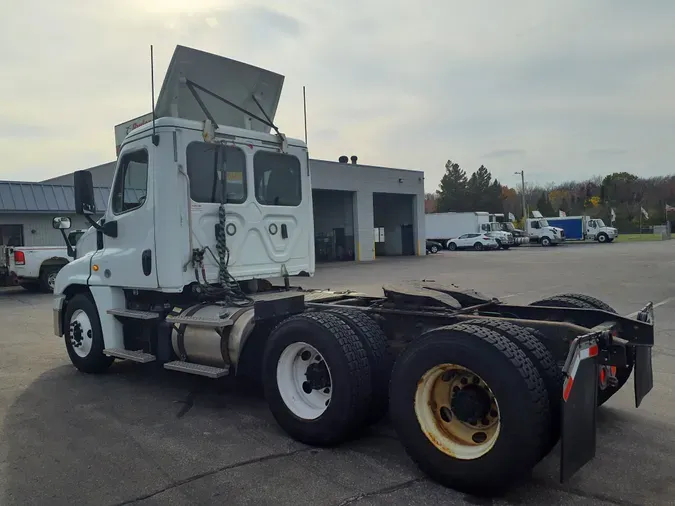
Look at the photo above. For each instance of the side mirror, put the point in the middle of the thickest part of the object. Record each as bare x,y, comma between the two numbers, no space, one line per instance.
61,222
84,193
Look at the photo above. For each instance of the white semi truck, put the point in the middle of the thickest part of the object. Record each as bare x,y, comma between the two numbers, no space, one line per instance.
442,227
174,274
540,231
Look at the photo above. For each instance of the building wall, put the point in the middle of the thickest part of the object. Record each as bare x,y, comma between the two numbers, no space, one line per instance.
101,175
37,228
365,180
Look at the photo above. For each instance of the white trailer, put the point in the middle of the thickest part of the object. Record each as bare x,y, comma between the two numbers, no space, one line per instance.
175,274
442,227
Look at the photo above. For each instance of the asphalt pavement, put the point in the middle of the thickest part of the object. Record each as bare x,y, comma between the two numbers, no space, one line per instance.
145,436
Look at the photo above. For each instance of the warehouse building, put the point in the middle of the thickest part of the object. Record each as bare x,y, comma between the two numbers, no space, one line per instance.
360,211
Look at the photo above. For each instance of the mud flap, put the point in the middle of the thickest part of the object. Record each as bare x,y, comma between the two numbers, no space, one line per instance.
643,373
579,406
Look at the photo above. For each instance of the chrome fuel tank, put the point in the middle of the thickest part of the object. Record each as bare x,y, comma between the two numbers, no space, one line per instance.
210,334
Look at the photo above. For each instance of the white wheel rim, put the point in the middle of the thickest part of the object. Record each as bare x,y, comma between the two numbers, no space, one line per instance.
51,280
440,423
292,381
80,333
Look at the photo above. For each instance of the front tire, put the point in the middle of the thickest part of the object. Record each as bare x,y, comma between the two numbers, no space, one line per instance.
545,242
317,378
84,337
452,246
434,249
602,237
451,394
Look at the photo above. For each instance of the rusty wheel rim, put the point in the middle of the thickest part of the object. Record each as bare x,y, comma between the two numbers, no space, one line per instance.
457,411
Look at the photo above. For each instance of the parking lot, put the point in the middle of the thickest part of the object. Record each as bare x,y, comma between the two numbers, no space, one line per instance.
143,436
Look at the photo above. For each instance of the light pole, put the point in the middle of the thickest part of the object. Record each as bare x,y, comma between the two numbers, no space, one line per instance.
522,176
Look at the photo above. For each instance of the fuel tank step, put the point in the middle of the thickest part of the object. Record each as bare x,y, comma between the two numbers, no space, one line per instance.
200,321
133,313
198,369
135,356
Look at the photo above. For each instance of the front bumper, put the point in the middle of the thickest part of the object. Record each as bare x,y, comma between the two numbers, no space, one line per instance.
57,314
604,345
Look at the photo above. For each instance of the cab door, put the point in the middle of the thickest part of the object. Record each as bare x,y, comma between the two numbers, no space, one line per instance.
128,260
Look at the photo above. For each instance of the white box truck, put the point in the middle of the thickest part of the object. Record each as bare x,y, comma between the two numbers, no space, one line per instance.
441,227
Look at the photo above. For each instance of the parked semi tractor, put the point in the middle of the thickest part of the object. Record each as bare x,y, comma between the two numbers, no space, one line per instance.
582,228
499,222
539,230
442,227
175,273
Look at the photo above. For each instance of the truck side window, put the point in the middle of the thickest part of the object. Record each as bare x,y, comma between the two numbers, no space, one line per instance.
277,179
131,182
535,224
206,164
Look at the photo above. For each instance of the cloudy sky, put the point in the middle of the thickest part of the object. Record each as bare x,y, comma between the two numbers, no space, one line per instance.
561,88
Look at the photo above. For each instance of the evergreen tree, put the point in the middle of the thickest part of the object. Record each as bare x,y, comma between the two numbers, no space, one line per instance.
544,206
452,192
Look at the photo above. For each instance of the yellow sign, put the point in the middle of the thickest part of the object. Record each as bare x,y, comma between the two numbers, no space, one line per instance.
235,177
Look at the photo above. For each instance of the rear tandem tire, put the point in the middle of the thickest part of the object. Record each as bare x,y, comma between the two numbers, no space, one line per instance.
588,302
518,395
375,343
339,348
530,341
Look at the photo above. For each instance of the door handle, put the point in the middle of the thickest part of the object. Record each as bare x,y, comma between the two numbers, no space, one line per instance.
284,231
146,262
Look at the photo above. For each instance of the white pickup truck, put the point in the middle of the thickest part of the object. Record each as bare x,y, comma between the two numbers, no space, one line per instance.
35,268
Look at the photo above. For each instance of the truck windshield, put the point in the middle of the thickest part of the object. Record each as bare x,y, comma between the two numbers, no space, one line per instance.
495,227
509,226
599,223
206,164
543,223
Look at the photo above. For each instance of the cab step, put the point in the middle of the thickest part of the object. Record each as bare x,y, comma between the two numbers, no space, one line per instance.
134,356
133,313
198,369
200,321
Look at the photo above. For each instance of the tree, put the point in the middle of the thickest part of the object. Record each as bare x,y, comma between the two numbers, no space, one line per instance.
452,191
544,206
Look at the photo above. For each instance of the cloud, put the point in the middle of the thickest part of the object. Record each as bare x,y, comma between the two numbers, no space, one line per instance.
579,88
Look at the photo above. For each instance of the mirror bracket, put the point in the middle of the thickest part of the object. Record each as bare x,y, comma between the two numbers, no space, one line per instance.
69,248
108,228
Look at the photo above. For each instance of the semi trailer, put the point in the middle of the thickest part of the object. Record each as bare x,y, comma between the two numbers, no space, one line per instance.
176,275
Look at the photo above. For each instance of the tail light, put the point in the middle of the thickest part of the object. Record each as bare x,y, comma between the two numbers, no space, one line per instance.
486,238
19,258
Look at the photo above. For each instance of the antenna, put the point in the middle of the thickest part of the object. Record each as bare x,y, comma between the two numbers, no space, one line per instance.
155,137
304,106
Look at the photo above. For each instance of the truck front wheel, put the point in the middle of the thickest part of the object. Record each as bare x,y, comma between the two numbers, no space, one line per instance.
545,241
602,237
317,378
470,408
83,335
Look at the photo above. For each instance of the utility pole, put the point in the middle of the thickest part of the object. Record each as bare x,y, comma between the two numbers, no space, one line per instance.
522,176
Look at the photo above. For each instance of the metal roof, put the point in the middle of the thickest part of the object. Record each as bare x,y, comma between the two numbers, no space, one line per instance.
24,197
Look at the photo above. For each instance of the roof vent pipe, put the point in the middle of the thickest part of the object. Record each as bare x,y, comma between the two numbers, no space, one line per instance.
354,159
343,159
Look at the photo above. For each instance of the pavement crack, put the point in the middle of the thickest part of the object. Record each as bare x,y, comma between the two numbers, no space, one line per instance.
184,481
382,491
